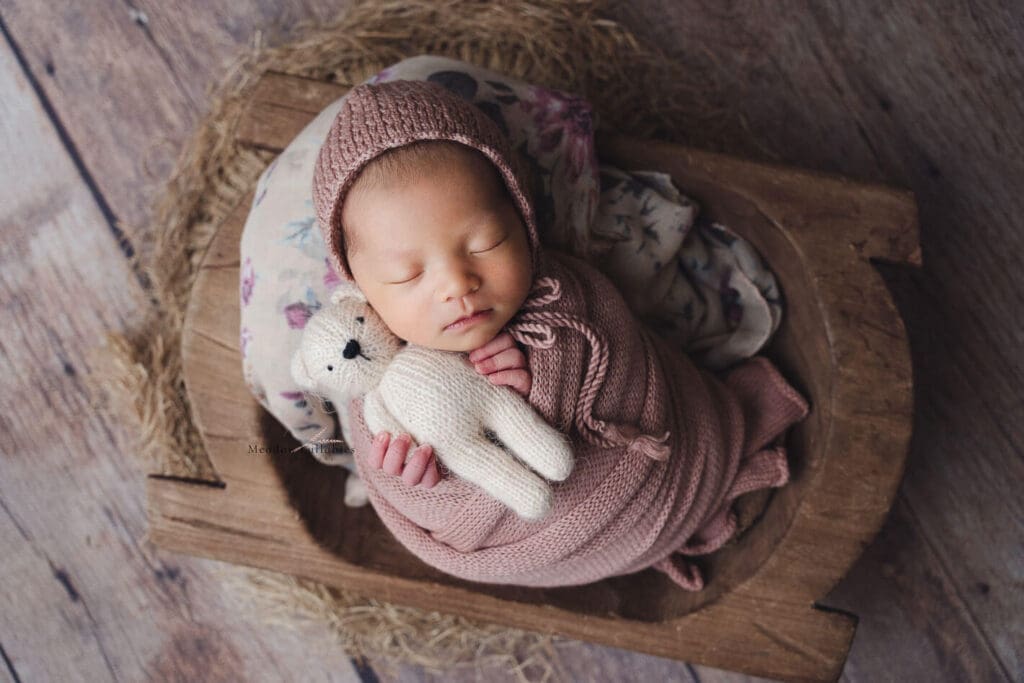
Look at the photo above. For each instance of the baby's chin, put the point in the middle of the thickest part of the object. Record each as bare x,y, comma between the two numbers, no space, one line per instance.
467,340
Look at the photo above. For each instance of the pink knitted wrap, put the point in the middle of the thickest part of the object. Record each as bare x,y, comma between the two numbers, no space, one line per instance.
662,449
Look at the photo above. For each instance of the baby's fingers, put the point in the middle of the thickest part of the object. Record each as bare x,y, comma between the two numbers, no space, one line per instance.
499,343
509,359
378,449
519,379
418,464
394,459
433,475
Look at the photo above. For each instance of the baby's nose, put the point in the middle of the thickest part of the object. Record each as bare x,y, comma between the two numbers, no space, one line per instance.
458,286
351,349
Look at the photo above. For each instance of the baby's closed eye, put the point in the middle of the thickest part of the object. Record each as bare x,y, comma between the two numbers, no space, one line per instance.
493,246
405,280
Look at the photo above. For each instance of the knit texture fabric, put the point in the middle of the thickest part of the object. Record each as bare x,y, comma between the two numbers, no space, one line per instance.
662,449
435,396
377,117
438,398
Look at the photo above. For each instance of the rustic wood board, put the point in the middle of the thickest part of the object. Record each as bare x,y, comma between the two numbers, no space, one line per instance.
835,226
920,95
927,96
129,81
84,596
218,522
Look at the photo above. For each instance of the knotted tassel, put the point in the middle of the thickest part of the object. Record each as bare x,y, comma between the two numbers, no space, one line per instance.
654,447
534,327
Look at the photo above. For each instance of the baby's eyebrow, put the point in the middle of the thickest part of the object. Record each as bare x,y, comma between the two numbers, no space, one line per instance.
391,252
395,253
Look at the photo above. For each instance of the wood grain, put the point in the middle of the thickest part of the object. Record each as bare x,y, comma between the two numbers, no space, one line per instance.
84,596
852,354
128,81
925,96
357,552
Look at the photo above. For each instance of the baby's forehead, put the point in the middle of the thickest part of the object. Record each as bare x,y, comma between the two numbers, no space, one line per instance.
445,172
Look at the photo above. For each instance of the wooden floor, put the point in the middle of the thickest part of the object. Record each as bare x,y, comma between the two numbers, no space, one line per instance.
100,94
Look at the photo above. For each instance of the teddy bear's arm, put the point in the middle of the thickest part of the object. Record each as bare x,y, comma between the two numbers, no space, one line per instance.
528,435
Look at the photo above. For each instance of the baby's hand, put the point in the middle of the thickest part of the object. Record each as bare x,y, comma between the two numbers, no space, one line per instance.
503,363
389,454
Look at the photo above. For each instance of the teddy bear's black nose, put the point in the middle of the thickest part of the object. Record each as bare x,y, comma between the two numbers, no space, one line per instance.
351,349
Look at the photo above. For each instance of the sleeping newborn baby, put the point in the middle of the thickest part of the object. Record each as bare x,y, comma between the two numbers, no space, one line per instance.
433,239
423,204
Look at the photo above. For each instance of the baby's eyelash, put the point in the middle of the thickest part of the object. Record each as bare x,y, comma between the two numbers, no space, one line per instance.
402,282
490,248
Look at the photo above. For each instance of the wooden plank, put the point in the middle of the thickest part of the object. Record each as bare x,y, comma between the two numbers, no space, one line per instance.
835,226
577,661
923,96
129,81
83,598
270,121
123,111
207,521
929,97
911,613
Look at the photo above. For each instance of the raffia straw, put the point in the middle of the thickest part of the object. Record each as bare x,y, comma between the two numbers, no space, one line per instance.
566,44
395,635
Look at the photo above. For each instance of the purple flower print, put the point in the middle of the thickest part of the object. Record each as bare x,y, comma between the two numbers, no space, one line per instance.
557,115
248,280
243,342
298,399
297,314
331,277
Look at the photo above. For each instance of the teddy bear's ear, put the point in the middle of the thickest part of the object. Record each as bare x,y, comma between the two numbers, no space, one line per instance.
300,374
347,290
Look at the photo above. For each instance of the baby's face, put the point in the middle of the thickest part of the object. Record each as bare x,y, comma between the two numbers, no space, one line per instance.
447,244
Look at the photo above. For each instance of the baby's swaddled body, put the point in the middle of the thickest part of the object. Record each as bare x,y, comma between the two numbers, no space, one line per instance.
615,388
436,242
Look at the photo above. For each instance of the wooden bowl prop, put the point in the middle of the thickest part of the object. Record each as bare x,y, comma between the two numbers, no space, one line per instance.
842,344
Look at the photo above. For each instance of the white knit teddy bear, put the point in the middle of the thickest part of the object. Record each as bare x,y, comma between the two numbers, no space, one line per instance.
434,396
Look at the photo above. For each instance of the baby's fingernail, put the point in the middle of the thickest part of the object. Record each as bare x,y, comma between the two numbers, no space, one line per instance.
380,437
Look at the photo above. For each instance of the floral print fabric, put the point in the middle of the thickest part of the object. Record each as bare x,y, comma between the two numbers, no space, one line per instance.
692,280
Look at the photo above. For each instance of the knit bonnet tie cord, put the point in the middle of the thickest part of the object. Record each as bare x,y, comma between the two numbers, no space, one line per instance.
535,327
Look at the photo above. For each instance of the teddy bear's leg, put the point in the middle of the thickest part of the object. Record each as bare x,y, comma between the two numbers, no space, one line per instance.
379,419
482,463
355,491
529,436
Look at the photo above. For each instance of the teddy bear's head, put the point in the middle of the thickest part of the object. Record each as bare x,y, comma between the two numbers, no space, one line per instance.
345,347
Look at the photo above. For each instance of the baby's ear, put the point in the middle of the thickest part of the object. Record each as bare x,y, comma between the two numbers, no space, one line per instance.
300,374
347,290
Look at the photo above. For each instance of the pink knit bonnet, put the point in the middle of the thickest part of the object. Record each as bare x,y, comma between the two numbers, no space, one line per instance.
377,117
